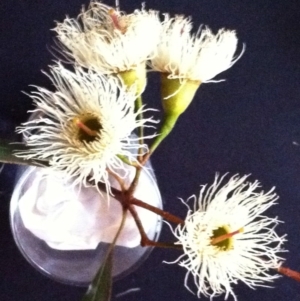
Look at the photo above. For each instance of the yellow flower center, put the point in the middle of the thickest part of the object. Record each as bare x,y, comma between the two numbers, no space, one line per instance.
88,128
222,237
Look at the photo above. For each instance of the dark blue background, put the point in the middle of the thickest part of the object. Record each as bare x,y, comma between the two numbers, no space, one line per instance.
248,124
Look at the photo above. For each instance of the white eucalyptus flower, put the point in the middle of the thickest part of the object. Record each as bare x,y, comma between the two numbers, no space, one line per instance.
110,41
199,57
226,239
83,126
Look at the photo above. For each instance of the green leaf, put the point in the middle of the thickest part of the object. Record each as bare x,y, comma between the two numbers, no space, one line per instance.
101,287
7,150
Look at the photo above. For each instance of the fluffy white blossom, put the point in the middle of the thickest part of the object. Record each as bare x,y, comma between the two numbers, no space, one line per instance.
250,249
198,57
107,40
83,126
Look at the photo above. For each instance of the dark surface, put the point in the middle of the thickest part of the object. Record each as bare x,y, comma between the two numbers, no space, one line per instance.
248,124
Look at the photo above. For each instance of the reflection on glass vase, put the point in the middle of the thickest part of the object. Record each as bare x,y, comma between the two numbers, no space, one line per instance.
64,232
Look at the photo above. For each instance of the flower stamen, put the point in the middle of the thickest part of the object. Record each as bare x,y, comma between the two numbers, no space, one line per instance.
88,129
118,22
222,238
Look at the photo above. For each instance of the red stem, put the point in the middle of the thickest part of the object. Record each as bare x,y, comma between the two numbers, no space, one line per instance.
289,273
131,200
145,241
166,215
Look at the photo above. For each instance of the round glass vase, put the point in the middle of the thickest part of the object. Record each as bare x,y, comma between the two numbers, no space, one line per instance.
68,242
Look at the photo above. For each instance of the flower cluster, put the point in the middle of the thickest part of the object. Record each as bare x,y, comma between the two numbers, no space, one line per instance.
84,130
226,239
111,42
86,123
